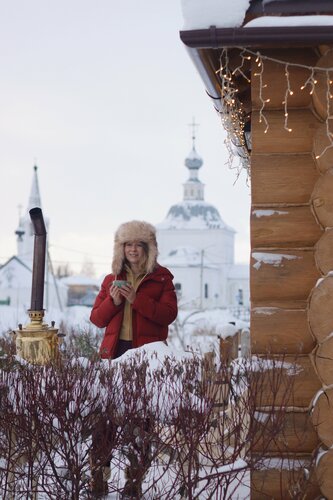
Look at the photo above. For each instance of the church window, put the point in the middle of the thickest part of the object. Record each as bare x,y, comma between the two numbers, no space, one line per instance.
206,290
240,299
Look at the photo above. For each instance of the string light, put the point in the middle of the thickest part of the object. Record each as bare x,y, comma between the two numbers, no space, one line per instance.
232,113
286,95
328,114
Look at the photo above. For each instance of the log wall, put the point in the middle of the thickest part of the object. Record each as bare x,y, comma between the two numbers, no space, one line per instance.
291,260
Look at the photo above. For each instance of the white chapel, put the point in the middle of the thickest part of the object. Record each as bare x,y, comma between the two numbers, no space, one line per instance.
198,248
16,273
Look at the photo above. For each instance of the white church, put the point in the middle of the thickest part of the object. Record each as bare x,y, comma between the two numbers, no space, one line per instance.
198,248
194,243
16,273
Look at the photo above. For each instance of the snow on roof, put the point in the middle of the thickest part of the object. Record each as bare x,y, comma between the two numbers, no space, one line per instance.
269,21
80,279
199,14
202,14
193,214
185,256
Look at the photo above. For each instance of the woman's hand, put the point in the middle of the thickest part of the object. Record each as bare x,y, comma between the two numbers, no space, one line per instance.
128,292
115,295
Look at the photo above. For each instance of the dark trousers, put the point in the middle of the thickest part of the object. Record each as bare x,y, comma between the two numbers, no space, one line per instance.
122,347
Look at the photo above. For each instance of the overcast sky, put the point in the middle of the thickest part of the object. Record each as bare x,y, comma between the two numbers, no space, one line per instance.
100,94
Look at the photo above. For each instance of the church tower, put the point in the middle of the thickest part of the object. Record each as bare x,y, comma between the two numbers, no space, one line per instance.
193,188
196,244
193,221
24,232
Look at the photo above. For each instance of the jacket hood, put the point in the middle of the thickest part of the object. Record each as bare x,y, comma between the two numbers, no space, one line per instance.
134,230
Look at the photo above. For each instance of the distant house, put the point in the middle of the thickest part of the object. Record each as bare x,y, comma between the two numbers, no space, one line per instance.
82,290
15,286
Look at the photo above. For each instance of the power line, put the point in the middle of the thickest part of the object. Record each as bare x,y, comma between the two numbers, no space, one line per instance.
78,251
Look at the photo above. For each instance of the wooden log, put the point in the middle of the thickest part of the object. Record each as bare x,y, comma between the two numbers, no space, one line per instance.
320,309
282,178
229,348
324,252
322,199
277,140
323,148
283,479
280,330
297,434
324,48
325,474
284,227
322,357
322,417
274,81
282,274
321,102
285,381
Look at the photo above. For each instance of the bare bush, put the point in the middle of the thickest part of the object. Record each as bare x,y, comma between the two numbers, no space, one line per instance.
166,428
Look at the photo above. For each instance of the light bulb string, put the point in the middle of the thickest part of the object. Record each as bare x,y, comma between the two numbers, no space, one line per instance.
232,113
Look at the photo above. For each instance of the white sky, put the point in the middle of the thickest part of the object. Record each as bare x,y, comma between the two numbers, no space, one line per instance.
100,93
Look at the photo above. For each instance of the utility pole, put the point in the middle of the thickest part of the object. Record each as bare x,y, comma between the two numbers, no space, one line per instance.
201,278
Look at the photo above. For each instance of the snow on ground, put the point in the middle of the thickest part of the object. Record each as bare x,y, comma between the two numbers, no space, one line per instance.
74,317
78,317
193,330
200,330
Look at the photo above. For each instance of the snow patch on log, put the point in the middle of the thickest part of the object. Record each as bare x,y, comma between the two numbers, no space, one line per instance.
268,213
274,259
265,311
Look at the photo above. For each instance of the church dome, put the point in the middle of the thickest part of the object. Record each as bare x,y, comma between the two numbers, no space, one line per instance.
193,160
196,214
193,212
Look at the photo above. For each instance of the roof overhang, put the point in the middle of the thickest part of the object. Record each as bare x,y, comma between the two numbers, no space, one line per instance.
263,37
203,44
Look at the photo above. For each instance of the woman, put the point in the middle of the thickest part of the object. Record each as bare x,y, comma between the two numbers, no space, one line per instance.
137,301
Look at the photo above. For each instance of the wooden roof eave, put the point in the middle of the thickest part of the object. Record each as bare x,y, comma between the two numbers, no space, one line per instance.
258,37
200,45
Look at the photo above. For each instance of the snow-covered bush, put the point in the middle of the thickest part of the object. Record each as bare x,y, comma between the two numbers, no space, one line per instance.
169,426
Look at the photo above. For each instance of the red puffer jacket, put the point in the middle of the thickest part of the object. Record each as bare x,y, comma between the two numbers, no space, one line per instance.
153,309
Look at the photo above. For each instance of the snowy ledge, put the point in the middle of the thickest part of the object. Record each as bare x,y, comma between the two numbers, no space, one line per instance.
202,14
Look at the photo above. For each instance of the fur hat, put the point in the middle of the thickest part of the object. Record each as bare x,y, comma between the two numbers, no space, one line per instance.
134,230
